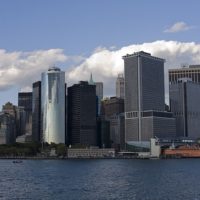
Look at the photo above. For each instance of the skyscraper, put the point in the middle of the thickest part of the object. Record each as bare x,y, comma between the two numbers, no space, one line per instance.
99,93
144,98
82,114
120,86
36,112
113,111
184,97
53,106
25,101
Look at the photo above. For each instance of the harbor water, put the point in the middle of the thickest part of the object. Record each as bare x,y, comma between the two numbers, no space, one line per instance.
99,179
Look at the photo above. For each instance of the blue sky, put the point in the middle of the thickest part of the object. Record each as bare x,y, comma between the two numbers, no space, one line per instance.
80,27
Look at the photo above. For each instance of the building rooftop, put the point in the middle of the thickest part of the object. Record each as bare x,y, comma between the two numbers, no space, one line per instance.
143,54
24,94
186,68
54,68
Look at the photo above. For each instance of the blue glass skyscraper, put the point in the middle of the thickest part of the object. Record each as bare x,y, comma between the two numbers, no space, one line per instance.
53,106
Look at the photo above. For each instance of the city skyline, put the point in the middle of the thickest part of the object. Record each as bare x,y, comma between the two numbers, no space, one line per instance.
82,44
99,99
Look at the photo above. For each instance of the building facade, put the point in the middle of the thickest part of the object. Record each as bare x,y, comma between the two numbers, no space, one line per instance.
120,93
117,131
20,121
113,111
112,106
9,108
25,101
53,106
12,110
82,114
99,93
36,112
144,91
103,133
91,153
7,128
184,97
192,72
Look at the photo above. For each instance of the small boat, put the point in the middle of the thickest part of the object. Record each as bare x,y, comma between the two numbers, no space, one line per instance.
17,161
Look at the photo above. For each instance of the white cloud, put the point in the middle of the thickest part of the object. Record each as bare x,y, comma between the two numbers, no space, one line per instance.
23,68
178,27
105,64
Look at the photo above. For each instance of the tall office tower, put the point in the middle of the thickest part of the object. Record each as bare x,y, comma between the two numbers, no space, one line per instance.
117,131
193,72
113,111
25,101
82,114
120,93
144,99
184,103
20,121
36,112
53,106
66,115
99,92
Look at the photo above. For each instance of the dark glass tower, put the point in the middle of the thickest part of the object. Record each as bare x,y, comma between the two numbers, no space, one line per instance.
82,114
36,112
25,102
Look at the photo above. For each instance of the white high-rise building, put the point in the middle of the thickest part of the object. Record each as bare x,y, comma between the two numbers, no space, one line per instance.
120,86
53,106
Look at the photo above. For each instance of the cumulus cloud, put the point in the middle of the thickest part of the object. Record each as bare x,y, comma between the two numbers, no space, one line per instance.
105,64
23,68
178,27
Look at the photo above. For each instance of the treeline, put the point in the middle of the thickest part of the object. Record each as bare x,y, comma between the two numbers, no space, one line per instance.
35,149
20,149
32,149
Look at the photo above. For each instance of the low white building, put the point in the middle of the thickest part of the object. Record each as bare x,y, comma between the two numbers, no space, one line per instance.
91,153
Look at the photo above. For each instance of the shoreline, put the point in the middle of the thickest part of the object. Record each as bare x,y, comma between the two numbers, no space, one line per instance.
92,158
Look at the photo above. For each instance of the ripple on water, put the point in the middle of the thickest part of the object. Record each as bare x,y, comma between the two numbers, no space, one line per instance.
100,179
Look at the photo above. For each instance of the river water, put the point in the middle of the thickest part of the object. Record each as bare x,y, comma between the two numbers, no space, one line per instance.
100,179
